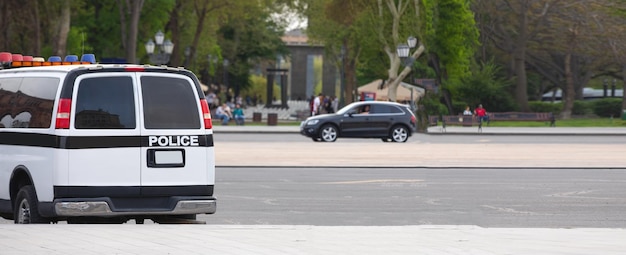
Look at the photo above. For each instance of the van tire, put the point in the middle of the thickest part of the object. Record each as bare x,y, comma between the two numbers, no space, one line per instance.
26,210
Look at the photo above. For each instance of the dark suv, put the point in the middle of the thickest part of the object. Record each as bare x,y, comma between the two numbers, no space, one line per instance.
366,119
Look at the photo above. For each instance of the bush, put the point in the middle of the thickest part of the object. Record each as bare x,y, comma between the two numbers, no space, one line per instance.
607,107
582,108
459,107
554,108
485,87
433,106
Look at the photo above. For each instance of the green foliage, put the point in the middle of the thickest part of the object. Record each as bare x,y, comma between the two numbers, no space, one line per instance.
317,74
608,107
433,106
484,87
76,42
459,107
258,85
538,106
582,108
247,39
453,36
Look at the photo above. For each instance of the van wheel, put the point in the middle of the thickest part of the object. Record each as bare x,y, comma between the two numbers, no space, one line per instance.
399,134
26,207
328,133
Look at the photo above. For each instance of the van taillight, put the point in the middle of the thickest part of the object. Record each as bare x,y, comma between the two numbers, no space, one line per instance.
206,114
63,113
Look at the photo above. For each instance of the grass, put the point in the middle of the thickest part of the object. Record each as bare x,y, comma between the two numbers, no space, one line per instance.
576,122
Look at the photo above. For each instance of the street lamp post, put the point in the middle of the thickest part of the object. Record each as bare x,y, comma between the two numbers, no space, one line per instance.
187,53
404,52
164,47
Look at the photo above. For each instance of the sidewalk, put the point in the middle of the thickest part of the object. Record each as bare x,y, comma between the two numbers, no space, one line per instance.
273,240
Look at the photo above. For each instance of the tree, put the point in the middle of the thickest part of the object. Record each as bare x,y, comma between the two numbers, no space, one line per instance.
444,27
512,25
338,25
249,37
130,11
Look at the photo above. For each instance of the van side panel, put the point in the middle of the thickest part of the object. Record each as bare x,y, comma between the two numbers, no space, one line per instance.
27,136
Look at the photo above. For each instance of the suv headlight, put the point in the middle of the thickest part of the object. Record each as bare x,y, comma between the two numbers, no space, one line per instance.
312,122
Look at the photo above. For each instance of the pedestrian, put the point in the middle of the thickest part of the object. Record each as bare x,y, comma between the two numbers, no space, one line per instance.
311,105
317,102
335,104
481,113
467,111
238,115
328,105
223,112
210,98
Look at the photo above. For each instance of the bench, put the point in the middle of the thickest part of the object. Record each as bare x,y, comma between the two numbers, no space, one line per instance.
523,116
460,120
469,120
433,121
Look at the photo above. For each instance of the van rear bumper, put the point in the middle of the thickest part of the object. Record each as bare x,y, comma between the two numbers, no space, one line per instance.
104,207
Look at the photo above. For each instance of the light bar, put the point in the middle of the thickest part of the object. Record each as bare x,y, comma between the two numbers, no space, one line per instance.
8,60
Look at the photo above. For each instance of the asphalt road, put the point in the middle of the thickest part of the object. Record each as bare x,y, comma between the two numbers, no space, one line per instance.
518,198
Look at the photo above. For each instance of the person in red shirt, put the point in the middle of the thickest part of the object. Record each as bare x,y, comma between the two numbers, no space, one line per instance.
481,113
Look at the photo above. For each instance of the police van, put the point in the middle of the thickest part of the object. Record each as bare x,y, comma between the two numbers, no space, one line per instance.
100,143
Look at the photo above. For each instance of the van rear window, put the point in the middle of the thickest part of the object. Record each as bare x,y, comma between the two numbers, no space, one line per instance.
27,102
105,103
169,103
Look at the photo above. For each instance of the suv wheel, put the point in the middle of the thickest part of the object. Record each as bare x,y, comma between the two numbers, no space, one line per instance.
399,134
328,133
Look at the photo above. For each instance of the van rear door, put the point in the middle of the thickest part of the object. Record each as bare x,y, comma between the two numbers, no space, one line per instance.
176,158
104,141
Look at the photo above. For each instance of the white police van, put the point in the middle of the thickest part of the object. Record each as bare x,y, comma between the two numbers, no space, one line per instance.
96,143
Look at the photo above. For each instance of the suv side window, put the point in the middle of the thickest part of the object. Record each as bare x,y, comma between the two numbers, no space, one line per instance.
169,103
27,102
105,103
385,109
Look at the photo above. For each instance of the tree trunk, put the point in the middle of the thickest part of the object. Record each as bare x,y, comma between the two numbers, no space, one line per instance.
521,84
568,91
37,32
64,30
173,26
350,81
122,7
131,45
